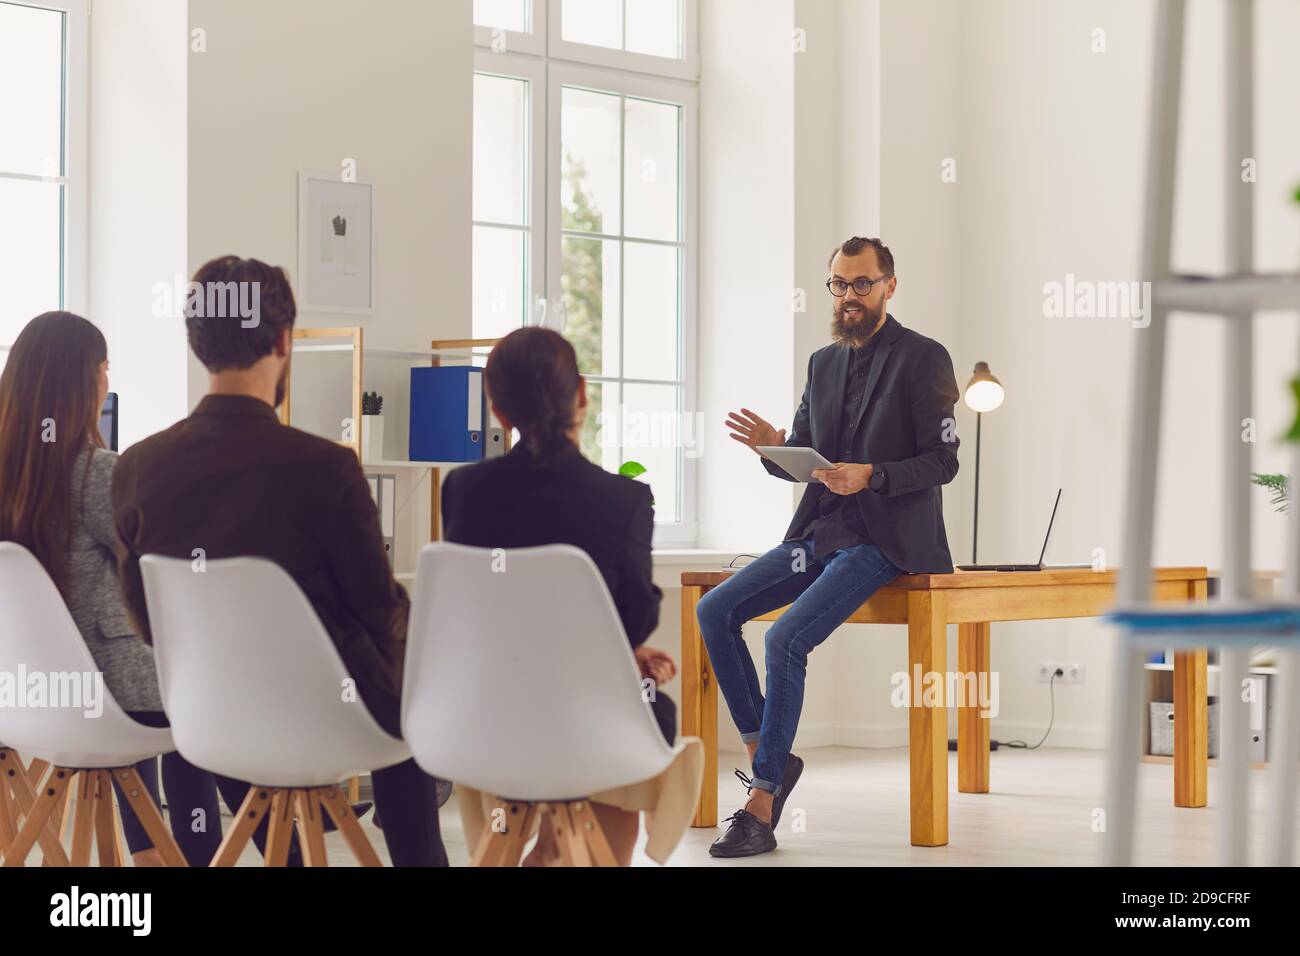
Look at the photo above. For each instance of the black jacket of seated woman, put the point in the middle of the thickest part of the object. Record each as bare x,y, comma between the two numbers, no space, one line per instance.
544,491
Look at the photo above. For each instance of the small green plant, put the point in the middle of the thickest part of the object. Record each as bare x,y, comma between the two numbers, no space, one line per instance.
372,403
1277,484
634,469
1277,487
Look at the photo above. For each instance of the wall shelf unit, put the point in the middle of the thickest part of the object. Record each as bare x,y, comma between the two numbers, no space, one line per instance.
351,340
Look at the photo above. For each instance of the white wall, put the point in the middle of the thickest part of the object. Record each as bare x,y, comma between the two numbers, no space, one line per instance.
890,181
306,84
1052,143
747,259
137,203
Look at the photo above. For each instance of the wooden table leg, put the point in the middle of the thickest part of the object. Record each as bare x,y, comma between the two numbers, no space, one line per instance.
1191,719
1191,728
927,717
972,728
700,703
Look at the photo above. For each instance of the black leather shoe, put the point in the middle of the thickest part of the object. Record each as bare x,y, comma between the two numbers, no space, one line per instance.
747,836
793,770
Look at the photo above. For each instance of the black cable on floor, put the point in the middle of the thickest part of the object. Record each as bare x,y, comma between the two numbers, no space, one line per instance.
1051,691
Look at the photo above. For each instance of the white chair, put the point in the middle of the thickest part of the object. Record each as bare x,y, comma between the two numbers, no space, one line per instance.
255,689
520,682
39,639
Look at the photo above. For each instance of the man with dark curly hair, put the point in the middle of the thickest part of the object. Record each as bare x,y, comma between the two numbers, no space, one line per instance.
233,481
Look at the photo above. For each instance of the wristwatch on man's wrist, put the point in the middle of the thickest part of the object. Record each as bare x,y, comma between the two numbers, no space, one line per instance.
879,480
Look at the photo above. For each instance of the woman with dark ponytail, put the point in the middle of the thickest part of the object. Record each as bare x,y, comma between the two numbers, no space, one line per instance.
545,492
533,382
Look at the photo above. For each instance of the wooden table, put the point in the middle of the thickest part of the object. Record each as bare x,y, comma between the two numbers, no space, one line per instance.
927,604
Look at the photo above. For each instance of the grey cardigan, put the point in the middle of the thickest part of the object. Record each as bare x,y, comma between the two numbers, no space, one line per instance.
94,595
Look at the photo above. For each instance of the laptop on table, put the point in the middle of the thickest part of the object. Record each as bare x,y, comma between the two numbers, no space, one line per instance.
1040,566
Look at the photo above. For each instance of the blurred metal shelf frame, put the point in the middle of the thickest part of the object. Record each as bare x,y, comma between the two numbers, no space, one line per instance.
1235,297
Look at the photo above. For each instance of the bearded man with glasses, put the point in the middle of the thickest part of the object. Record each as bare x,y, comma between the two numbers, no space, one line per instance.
878,403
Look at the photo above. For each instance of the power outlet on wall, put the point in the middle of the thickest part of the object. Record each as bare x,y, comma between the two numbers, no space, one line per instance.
1071,673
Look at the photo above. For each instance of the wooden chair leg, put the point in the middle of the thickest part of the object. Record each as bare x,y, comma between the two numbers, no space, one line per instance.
115,816
24,784
61,817
36,770
337,806
311,828
8,816
84,820
487,850
149,815
577,842
11,765
280,832
588,826
106,830
52,795
60,820
494,846
251,811
513,849
19,783
556,816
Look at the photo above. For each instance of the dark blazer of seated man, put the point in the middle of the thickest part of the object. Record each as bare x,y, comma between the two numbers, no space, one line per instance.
545,492
878,404
233,481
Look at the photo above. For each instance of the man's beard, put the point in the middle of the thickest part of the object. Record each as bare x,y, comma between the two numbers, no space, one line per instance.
849,334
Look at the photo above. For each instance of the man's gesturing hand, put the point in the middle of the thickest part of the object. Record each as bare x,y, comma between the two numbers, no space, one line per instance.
748,429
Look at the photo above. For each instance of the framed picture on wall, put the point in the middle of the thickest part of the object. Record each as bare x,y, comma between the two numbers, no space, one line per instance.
335,244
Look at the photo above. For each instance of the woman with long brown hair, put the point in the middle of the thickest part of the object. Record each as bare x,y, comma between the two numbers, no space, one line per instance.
55,481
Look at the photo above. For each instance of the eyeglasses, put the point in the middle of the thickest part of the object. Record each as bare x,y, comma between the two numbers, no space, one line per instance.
861,285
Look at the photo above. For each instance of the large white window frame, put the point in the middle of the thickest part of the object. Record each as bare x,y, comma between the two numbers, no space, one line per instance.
687,68
513,41
550,65
73,174
685,96
533,72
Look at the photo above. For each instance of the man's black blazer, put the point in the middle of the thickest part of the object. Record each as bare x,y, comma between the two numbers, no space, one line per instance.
512,502
905,426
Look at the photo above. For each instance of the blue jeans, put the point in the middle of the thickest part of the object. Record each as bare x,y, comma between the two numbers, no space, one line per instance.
822,592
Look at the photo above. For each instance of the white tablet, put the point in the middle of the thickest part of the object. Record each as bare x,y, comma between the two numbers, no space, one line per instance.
798,462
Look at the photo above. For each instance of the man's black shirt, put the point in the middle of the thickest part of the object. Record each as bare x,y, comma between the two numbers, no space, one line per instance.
839,522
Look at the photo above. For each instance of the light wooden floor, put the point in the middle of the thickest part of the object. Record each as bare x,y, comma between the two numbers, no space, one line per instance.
853,806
